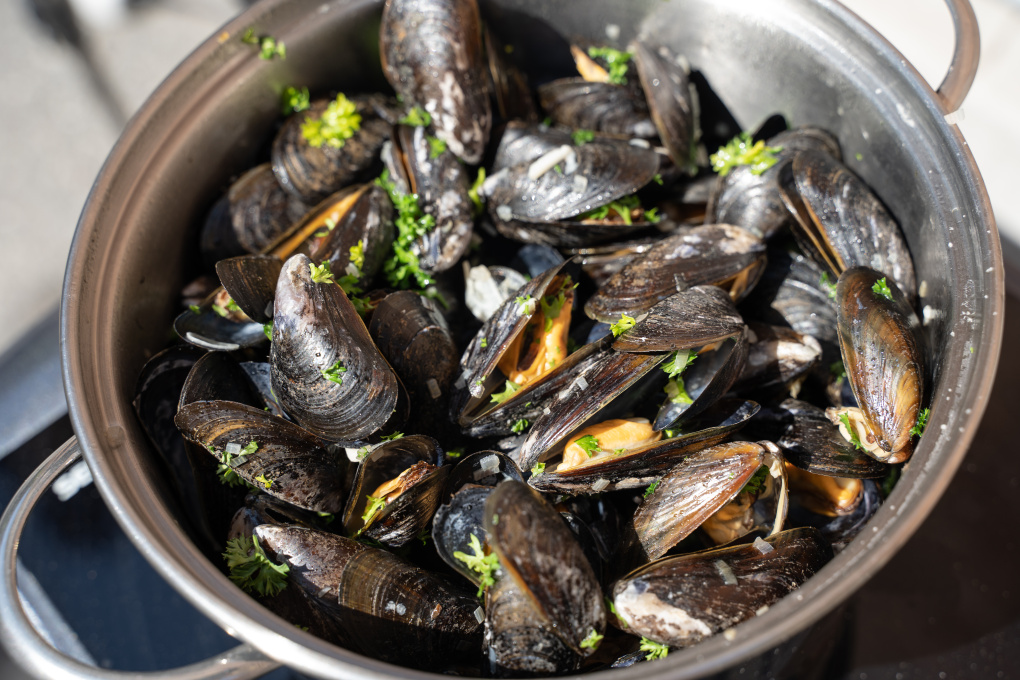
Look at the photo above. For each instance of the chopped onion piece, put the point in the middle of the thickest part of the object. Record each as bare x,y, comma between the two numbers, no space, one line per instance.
489,463
764,547
643,143
233,448
504,213
580,184
548,161
726,573
480,614
600,485
433,386
581,383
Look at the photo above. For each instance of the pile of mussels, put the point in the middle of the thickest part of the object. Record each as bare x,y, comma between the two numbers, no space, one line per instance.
531,425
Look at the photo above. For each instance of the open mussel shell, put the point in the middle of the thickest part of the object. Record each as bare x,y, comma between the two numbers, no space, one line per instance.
441,183
640,467
254,212
538,551
753,201
259,509
717,254
289,463
523,143
608,376
251,282
432,56
693,490
812,443
840,223
706,380
882,355
462,514
312,173
406,517
762,510
260,375
777,358
600,262
368,222
679,601
207,329
692,318
519,643
601,107
610,169
315,328
672,101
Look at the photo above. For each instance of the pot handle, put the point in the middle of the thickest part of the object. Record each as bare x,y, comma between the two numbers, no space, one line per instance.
960,77
29,649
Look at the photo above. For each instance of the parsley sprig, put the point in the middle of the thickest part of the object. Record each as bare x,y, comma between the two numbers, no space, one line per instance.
617,61
651,488
251,568
623,325
741,151
656,650
590,444
537,469
520,426
269,47
484,565
508,391
403,269
882,288
674,368
333,373
335,126
592,640
922,421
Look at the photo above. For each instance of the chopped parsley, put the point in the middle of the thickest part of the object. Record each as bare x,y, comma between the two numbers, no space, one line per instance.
854,439
741,151
436,147
590,444
473,191
293,100
623,325
670,433
392,437
612,610
508,391
652,487
616,60
592,640
195,309
658,178
251,568
552,305
756,482
455,453
264,481
838,370
403,268
335,126
220,310
372,508
537,469
417,117
520,426
332,373
363,452
828,285
655,649
620,451
267,329
484,565
882,288
228,461
357,253
922,421
483,343
674,368
623,207
269,47
582,136
321,273
526,304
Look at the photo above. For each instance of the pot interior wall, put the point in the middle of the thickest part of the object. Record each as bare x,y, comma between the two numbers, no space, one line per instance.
136,244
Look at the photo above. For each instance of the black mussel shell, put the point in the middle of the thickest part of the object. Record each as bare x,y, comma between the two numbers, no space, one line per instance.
510,87
251,282
539,552
672,101
367,222
259,509
840,223
260,375
600,107
600,262
882,355
718,254
254,212
692,318
841,529
315,330
209,330
432,56
289,462
692,491
777,358
312,173
679,601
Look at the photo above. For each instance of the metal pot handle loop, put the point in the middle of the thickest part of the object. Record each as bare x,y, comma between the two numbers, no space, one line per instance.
29,649
960,77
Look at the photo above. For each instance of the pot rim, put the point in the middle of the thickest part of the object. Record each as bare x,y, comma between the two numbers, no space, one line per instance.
165,545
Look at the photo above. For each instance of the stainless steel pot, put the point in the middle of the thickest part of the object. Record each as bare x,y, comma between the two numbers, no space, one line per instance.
813,61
